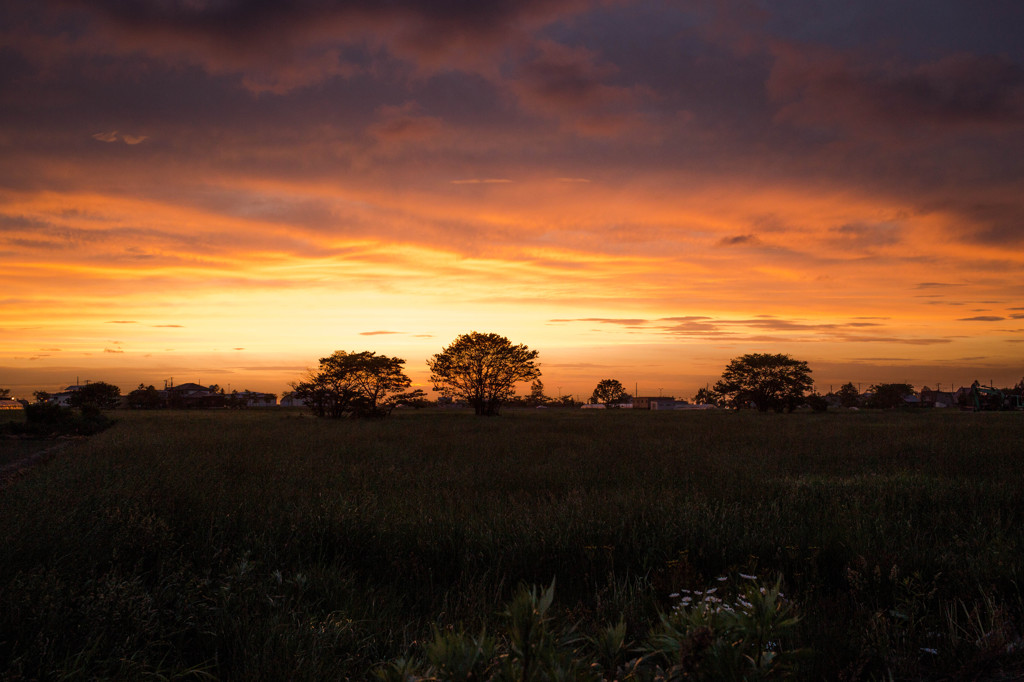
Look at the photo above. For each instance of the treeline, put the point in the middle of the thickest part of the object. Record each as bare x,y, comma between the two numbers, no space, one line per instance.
481,371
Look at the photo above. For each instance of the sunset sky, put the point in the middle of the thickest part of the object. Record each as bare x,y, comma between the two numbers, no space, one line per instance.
224,191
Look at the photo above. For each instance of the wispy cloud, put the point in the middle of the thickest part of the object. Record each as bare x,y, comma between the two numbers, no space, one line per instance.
114,136
740,239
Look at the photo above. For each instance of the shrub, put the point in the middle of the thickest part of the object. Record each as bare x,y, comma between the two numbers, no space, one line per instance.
47,420
705,637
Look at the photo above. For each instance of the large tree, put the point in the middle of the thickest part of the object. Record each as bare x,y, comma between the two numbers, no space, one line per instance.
537,397
355,384
145,398
771,382
97,394
887,396
848,395
482,369
609,392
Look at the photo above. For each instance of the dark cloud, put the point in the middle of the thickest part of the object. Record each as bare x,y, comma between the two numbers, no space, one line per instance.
293,44
853,89
740,239
122,322
867,236
982,318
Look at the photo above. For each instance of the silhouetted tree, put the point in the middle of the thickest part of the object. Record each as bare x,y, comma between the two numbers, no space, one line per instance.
887,396
97,394
609,392
355,384
817,402
705,396
482,369
770,382
537,396
41,396
5,393
145,398
848,395
568,401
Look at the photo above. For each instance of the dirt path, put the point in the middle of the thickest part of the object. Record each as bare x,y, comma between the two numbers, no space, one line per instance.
15,470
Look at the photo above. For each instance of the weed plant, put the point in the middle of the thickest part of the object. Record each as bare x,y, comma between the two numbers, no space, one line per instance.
270,545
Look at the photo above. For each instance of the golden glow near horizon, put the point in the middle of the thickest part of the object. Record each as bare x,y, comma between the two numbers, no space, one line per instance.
211,214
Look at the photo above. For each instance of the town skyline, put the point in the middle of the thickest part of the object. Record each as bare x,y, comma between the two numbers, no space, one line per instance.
227,192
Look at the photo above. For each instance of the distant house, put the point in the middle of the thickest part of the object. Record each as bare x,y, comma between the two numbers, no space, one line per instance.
254,399
194,396
289,400
10,404
936,398
63,398
654,403
962,396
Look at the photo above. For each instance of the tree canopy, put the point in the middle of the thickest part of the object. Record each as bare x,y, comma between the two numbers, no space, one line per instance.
482,369
97,394
361,384
886,396
848,395
537,396
769,381
706,396
145,398
609,392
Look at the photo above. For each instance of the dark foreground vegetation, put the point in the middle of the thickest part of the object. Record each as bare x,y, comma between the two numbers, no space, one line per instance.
272,546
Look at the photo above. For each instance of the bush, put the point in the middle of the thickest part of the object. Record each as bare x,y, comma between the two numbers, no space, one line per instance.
817,402
48,420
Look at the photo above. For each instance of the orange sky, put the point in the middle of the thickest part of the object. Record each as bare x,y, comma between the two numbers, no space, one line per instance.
226,192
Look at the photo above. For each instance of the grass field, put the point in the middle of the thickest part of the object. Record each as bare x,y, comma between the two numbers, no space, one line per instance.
271,545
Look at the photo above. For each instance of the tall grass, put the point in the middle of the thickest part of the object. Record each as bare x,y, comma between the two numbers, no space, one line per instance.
267,545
